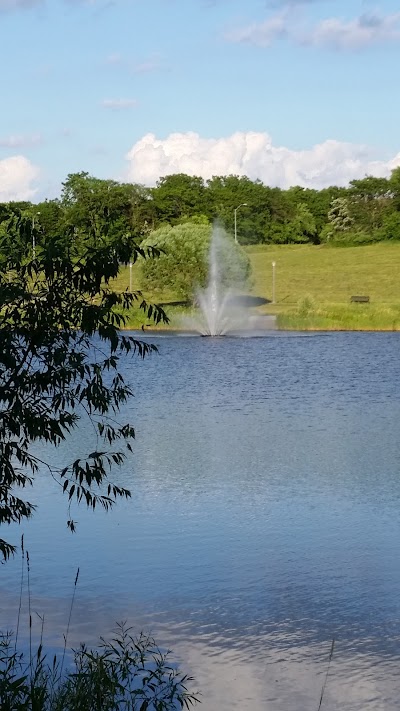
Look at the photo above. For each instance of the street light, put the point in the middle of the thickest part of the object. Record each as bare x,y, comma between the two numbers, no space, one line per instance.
273,282
242,204
130,277
33,236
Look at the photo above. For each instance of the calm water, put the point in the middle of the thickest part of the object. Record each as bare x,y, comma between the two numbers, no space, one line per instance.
265,521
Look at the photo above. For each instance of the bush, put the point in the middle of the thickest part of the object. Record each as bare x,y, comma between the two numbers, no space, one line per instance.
391,226
351,238
184,264
306,306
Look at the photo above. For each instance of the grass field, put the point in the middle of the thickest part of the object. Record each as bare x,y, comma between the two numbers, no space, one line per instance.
314,285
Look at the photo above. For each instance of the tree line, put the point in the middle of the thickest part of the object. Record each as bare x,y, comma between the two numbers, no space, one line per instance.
95,211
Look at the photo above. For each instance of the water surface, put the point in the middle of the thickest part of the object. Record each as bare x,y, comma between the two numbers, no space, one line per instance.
264,522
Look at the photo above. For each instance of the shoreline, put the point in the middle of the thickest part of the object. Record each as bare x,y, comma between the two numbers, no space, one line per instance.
181,331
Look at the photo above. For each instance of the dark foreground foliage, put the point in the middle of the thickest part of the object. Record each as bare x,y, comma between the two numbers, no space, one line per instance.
126,673
60,348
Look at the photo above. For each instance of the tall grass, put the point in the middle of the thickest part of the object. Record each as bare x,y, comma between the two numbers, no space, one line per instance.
126,673
309,316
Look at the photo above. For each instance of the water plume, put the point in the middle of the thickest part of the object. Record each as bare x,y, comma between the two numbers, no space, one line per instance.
219,311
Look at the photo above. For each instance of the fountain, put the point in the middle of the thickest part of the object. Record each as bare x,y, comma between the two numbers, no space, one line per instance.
214,301
221,310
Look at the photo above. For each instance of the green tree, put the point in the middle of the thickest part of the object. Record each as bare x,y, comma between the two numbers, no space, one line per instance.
184,262
370,201
18,232
394,186
179,196
370,188
226,193
303,226
318,203
49,216
103,211
391,226
279,233
60,348
339,215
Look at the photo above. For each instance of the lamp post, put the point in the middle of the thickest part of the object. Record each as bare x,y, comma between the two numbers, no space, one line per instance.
130,277
33,236
242,204
273,282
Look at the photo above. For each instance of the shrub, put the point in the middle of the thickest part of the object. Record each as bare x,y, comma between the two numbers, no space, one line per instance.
184,264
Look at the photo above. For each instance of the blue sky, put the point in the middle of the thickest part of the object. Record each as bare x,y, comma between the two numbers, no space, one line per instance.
289,91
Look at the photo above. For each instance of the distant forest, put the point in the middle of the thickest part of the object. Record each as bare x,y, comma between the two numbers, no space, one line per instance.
100,211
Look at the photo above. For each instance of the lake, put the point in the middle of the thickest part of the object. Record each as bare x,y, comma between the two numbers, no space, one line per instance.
264,522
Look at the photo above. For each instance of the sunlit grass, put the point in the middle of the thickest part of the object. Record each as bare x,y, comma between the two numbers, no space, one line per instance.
327,276
342,317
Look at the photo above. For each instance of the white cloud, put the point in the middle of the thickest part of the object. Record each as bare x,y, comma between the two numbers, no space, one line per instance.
361,32
21,140
144,66
262,34
332,33
252,154
114,58
17,174
119,104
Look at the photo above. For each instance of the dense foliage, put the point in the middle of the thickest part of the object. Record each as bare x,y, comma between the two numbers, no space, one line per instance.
60,348
184,261
104,210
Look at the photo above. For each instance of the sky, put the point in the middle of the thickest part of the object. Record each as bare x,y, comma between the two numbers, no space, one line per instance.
293,92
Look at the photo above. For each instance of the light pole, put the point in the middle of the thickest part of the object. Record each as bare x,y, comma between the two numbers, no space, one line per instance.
242,204
33,236
273,282
130,277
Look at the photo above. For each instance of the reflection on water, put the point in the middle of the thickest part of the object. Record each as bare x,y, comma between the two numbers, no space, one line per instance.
264,522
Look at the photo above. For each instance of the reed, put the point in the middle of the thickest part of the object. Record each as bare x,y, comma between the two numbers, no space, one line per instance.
326,675
126,673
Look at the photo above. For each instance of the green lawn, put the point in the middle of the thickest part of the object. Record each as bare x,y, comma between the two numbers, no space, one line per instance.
328,274
314,285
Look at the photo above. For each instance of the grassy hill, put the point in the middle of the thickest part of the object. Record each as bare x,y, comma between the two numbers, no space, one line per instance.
314,285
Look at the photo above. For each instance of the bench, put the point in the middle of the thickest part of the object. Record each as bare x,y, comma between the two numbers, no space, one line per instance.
359,299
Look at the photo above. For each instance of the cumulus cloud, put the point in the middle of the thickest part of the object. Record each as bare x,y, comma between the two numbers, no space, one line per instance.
332,33
21,140
17,178
119,104
253,154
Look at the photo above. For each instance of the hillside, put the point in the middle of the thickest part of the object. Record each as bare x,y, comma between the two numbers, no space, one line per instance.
314,285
